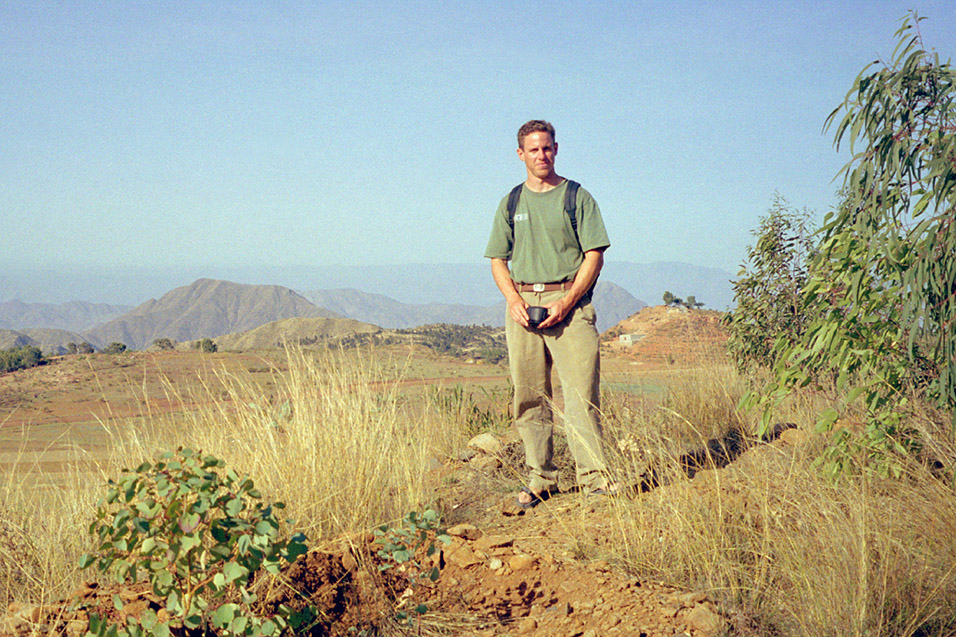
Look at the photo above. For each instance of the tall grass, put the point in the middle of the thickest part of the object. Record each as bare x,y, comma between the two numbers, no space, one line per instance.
335,439
43,529
790,551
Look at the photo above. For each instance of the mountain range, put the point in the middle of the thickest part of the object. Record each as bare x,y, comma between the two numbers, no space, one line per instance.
75,315
210,308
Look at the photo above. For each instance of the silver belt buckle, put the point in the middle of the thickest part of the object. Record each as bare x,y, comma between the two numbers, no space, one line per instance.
537,287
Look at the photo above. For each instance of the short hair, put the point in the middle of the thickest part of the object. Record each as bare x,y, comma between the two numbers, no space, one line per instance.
534,126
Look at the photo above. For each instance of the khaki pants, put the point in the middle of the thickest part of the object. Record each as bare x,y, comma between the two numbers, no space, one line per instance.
572,347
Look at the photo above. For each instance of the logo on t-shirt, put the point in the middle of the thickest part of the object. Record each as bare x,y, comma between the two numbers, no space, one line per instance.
521,217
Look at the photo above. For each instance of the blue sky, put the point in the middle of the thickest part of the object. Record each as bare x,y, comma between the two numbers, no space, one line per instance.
357,133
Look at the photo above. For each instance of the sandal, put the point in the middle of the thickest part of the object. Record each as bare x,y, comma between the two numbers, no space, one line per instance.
536,499
610,490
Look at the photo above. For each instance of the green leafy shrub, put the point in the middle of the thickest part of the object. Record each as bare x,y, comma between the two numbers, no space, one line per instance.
199,535
408,547
205,345
115,348
20,358
883,277
768,292
164,344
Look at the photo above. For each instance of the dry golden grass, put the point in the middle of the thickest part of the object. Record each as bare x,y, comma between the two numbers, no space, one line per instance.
43,530
336,441
789,550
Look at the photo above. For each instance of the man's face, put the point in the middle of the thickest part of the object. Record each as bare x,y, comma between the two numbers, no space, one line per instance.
538,154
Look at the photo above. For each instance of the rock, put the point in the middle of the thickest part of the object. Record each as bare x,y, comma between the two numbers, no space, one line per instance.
467,454
86,589
526,625
520,562
692,599
76,628
486,442
486,463
466,531
706,621
488,542
135,608
461,555
495,563
669,611
349,563
561,609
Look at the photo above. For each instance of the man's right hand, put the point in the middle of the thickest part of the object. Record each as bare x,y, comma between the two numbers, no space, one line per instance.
518,309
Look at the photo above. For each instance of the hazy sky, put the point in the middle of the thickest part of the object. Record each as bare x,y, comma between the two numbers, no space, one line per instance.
320,133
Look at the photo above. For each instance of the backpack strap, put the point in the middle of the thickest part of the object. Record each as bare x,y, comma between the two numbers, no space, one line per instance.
570,204
513,197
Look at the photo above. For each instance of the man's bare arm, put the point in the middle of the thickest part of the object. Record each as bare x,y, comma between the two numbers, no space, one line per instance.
586,276
517,307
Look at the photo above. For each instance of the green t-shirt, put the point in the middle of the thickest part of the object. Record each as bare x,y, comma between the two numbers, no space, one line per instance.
543,248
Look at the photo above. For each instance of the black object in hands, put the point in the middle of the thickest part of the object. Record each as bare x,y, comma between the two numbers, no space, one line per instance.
536,314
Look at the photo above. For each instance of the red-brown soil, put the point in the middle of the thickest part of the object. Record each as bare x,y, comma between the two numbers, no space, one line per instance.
668,336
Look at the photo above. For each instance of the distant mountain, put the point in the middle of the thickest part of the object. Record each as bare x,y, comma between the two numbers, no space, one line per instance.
50,341
205,309
611,302
304,331
74,316
12,338
379,309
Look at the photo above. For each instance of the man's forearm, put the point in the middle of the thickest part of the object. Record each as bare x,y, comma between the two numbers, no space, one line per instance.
502,276
586,276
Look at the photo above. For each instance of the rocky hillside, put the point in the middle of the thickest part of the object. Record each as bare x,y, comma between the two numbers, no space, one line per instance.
205,309
662,335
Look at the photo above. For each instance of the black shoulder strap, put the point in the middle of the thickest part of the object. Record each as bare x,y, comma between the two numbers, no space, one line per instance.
513,197
570,204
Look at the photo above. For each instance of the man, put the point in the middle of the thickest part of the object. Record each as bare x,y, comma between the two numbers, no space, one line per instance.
554,266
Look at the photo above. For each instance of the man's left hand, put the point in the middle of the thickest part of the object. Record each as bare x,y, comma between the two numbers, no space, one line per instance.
557,311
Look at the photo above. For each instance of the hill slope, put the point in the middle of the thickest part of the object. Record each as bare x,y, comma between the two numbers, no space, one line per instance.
205,309
662,335
50,341
305,331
